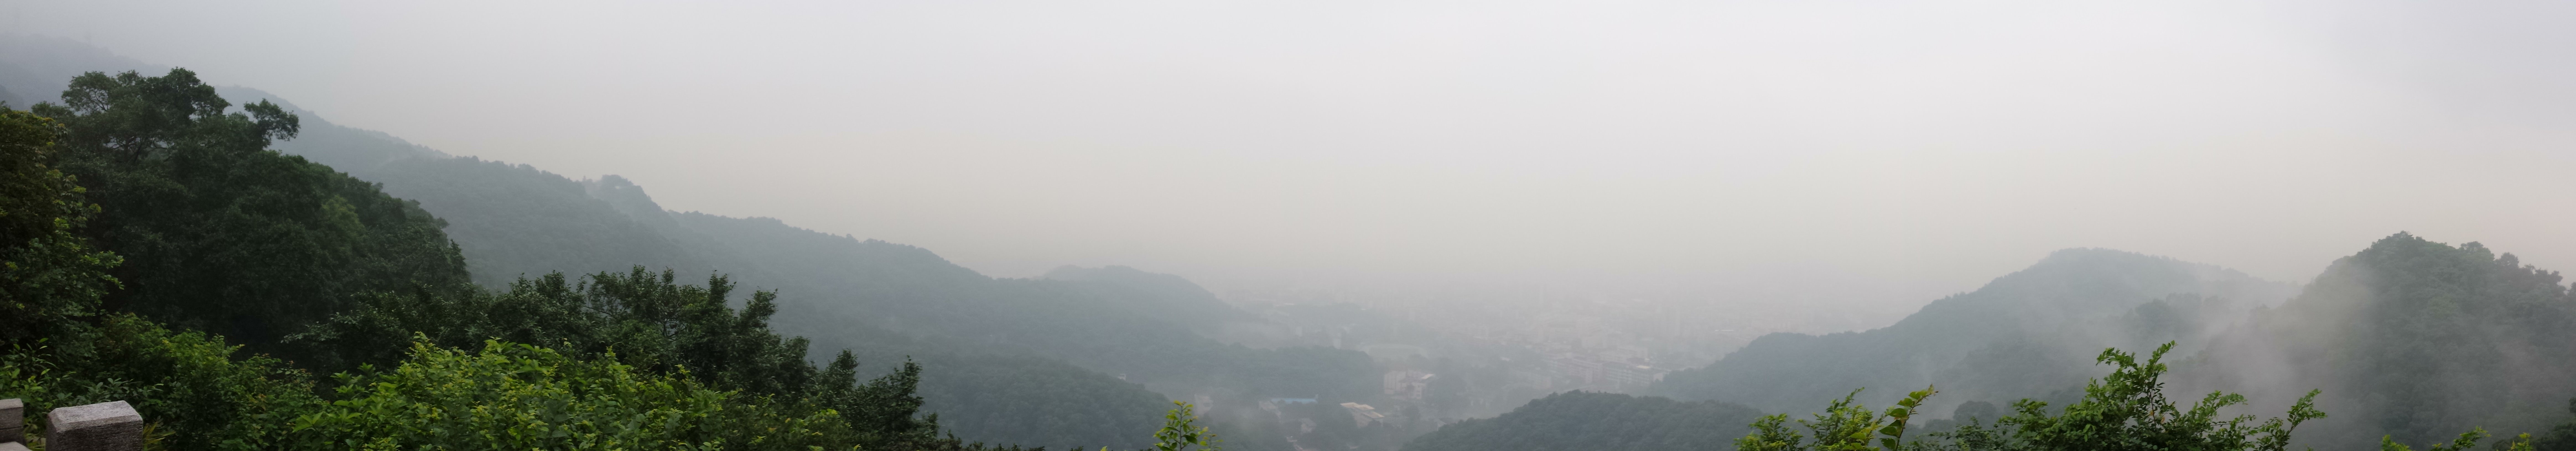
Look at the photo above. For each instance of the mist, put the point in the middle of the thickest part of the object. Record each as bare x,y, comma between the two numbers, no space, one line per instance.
1386,226
1858,155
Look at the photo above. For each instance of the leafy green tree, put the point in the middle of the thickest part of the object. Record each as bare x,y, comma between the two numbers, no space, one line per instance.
647,320
1843,426
1181,431
47,271
2128,411
218,232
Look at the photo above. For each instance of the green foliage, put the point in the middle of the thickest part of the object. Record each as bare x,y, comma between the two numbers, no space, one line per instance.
1903,413
46,270
211,214
513,396
646,321
2126,410
1181,431
1843,426
191,385
1591,420
217,232
651,320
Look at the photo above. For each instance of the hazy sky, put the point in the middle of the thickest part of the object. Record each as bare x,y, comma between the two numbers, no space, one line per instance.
1853,151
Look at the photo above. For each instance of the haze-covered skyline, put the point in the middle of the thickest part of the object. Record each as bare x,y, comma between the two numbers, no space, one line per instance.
1888,153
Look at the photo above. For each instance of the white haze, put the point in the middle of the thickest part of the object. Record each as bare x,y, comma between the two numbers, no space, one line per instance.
1849,155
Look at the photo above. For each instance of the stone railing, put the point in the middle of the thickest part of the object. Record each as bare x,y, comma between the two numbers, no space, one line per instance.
107,426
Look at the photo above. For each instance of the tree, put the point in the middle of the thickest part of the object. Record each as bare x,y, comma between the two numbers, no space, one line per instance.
1181,431
47,271
221,234
1844,426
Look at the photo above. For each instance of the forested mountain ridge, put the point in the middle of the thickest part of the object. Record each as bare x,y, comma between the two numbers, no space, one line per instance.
883,301
2025,334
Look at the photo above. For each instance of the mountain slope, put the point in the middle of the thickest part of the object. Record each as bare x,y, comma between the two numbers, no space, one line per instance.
2413,339
2025,334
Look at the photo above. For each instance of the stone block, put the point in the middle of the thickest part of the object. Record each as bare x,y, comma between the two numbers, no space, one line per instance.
12,446
107,426
13,420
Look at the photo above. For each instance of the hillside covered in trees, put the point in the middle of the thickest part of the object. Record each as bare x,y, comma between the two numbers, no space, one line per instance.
1059,361
340,279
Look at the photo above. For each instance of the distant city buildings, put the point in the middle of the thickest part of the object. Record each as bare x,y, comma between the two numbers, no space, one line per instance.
1599,371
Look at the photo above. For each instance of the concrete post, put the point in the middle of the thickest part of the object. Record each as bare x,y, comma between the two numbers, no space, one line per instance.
107,426
13,421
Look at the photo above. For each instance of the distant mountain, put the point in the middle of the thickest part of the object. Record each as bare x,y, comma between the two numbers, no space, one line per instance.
1599,422
2027,334
36,68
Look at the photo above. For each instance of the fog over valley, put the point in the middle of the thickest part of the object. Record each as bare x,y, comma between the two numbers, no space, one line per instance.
1304,226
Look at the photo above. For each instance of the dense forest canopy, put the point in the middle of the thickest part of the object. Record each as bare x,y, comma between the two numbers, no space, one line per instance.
219,233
